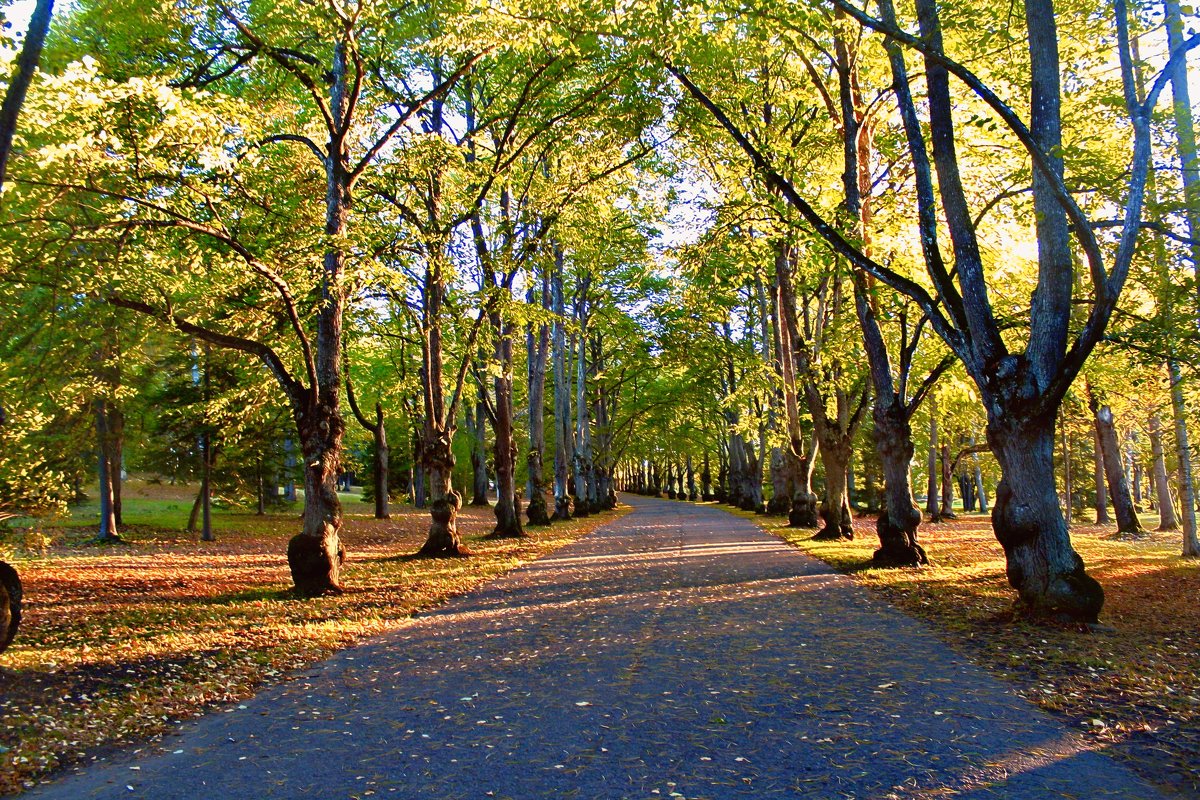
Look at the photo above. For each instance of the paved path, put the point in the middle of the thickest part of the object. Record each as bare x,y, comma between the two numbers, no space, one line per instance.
679,651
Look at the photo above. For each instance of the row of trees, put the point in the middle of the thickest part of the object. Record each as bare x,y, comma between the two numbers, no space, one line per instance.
744,239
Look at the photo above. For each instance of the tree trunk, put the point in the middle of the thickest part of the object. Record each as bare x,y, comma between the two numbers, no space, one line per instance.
508,519
206,531
1102,517
193,523
752,499
781,495
261,490
932,506
1114,470
691,481
116,457
419,479
803,513
563,441
947,507
476,423
1135,477
1168,520
444,502
1042,565
583,428
835,505
289,465
315,555
382,466
1187,488
538,351
979,490
108,523
10,605
18,84
721,495
898,522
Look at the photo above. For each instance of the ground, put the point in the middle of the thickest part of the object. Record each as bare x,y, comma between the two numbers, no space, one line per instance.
121,641
676,652
1135,688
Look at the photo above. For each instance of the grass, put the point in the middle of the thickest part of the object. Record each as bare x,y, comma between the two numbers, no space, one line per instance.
121,642
1135,690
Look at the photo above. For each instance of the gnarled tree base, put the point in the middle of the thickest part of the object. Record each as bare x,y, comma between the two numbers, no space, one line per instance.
803,513
562,509
508,523
314,568
583,507
837,527
537,512
779,505
10,605
898,546
443,541
1041,564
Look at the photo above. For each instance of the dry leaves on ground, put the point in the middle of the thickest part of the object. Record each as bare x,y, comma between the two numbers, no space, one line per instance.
121,642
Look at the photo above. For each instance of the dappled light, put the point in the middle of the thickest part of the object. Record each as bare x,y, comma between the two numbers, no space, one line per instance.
643,399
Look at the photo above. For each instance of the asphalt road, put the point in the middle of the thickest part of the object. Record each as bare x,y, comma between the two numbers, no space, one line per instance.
676,652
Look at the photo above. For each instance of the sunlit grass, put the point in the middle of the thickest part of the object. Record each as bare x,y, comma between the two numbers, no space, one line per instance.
121,641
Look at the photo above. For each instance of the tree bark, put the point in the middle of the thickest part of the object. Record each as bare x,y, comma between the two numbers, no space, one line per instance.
116,457
932,505
1041,565
835,505
382,466
781,484
476,422
508,518
10,605
898,522
1168,520
206,531
563,436
379,456
1102,517
979,488
443,540
315,555
1187,487
583,428
1114,470
18,85
947,507
108,522
538,351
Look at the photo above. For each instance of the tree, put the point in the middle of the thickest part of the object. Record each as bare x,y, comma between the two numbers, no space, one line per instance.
18,85
10,605
1021,389
207,191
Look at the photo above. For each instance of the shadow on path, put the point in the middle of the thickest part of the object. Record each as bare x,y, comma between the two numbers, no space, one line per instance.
678,651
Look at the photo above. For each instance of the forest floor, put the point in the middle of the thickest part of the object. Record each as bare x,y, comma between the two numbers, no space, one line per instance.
121,642
677,652
1135,688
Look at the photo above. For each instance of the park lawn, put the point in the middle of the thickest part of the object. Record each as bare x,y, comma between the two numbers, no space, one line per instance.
1135,690
121,642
